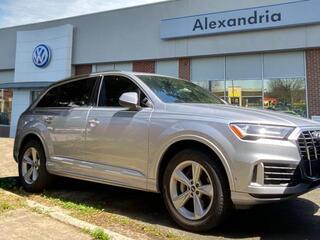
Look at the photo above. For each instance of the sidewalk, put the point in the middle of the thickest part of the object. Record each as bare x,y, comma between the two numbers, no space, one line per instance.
22,223
8,166
25,224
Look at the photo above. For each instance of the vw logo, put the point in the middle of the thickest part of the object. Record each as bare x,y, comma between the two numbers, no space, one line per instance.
41,55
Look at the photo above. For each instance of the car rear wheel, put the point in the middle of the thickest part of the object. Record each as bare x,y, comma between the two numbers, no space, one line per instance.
195,191
32,167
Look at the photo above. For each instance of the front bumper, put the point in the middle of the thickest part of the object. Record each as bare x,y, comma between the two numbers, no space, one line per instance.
277,170
261,195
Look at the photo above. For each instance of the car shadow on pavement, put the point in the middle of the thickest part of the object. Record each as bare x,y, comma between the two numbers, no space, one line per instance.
294,219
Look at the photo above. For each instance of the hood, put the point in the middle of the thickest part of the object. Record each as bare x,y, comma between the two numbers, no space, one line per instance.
239,114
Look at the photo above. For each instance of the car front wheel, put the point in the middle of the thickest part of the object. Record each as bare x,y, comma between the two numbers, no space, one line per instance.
195,191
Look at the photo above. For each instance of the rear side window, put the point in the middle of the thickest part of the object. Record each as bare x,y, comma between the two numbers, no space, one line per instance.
74,94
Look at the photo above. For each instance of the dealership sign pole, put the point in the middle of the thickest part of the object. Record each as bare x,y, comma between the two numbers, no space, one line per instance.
304,12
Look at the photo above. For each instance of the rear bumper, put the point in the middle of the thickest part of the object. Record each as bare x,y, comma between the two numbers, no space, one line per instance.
262,195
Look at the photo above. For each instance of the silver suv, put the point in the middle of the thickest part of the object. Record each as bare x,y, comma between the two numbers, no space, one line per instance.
160,134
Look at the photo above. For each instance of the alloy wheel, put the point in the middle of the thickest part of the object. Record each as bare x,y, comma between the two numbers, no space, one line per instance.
30,165
191,190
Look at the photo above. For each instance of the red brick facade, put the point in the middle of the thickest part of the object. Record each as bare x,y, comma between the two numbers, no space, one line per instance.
313,80
144,66
184,68
83,69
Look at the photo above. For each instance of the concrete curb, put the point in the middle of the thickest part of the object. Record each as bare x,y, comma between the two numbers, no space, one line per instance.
65,218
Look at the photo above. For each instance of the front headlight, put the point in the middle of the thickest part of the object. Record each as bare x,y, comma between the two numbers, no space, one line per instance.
248,131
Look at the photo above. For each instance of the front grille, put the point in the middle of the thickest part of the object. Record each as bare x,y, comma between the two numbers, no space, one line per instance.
309,146
281,174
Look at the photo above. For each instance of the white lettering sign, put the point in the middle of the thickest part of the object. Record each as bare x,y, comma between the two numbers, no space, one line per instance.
302,12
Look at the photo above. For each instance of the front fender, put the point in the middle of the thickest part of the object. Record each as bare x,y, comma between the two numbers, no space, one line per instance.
203,133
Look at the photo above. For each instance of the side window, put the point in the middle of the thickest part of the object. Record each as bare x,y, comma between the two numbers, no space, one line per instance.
77,93
113,87
50,99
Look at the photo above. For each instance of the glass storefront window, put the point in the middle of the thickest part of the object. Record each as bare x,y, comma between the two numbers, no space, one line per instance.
1,100
287,95
5,106
244,93
274,81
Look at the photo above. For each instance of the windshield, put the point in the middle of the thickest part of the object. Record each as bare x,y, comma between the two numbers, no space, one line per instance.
172,90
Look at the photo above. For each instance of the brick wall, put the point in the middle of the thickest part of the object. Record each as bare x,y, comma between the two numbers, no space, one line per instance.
144,66
313,80
184,68
83,69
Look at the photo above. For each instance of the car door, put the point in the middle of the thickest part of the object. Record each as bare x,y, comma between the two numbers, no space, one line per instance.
117,138
64,110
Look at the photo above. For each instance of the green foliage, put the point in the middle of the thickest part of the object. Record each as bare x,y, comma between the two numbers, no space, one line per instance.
81,208
97,234
9,202
5,207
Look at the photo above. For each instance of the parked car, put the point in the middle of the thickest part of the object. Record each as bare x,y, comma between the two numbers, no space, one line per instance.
160,134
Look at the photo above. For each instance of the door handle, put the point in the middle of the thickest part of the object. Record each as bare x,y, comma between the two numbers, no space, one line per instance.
48,119
93,122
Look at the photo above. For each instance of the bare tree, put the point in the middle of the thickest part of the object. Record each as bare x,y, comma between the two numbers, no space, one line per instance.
287,91
290,94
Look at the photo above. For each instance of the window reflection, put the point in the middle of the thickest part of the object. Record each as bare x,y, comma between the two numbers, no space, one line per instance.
244,93
215,86
287,95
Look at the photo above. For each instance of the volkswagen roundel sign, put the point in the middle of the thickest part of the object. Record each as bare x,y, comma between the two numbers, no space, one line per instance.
41,55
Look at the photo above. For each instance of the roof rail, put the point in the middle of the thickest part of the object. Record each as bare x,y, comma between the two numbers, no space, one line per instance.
107,71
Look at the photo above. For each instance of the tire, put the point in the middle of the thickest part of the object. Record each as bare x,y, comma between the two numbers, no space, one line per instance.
214,199
36,182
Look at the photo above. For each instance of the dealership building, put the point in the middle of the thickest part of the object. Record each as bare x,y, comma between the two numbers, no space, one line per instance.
256,54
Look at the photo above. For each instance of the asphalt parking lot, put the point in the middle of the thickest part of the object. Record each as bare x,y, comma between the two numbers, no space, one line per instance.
294,219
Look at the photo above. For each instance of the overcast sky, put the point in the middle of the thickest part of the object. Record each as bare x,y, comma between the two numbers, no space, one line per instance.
18,12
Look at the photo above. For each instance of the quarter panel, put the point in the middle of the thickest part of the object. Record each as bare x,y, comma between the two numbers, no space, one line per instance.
33,124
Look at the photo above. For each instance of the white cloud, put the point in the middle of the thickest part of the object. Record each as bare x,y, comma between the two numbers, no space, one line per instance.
17,12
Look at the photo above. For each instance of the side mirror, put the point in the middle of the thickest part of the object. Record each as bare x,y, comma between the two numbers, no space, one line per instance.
129,100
